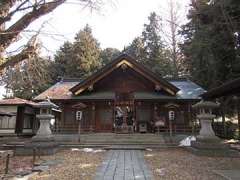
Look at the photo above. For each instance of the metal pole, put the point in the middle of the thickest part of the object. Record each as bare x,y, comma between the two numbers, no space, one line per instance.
79,130
170,128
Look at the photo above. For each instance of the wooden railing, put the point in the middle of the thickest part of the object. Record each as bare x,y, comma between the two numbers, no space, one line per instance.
177,129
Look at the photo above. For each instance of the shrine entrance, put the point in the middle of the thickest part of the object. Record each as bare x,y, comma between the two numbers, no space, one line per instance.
124,113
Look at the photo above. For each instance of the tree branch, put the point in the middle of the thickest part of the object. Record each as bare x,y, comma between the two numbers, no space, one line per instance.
6,39
26,53
4,19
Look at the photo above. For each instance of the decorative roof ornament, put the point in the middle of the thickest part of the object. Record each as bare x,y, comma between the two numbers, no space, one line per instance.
124,66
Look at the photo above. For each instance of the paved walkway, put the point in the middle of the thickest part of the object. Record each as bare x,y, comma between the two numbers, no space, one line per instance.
124,165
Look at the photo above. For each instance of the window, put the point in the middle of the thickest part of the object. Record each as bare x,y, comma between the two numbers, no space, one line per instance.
7,122
28,119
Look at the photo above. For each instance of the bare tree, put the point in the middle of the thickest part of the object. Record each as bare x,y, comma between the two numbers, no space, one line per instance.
173,23
30,11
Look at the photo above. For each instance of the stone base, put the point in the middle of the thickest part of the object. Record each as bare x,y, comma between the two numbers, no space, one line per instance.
212,148
41,148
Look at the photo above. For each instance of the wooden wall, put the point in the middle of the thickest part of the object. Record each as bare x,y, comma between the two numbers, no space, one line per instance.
124,81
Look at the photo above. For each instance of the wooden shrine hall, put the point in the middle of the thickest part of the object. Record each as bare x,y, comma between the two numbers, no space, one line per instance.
123,96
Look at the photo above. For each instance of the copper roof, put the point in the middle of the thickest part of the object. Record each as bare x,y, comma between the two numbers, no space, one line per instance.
16,101
59,90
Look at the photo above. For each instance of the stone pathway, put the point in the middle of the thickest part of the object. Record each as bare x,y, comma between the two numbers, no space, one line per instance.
124,165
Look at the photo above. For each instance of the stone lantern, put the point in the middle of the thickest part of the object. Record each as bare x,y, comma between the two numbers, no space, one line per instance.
44,142
206,118
45,108
206,142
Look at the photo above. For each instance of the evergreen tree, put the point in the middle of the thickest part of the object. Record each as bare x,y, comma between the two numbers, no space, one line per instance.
136,49
80,58
149,48
108,54
62,56
211,44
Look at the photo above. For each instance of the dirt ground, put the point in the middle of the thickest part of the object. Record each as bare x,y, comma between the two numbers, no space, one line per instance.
72,165
172,164
17,164
75,165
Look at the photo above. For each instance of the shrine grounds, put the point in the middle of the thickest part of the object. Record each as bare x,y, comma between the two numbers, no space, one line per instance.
170,163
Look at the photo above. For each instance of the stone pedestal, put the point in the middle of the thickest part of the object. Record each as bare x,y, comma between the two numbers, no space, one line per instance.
206,132
207,143
44,132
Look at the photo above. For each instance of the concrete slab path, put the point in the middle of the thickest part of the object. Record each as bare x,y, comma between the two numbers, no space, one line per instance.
229,174
124,165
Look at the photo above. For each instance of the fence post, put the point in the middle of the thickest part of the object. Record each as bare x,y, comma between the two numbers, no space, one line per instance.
7,163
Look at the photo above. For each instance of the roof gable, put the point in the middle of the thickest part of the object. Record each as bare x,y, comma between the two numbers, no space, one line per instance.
124,61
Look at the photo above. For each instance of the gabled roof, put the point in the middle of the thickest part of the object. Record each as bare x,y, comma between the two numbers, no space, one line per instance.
16,101
61,91
131,63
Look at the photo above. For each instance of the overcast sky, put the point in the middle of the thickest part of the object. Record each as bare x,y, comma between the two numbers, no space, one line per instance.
115,25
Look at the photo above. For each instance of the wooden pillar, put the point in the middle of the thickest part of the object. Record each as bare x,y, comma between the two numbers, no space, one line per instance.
20,120
114,115
93,121
238,115
190,117
62,119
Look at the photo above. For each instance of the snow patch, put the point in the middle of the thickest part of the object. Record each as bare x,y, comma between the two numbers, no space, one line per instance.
187,141
148,149
88,150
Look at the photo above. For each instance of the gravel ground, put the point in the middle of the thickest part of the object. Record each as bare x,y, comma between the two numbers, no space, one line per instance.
75,165
172,164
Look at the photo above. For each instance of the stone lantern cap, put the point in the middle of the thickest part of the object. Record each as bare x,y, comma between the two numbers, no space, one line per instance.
205,104
46,104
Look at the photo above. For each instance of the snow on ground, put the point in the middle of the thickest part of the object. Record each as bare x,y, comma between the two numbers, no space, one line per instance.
187,141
